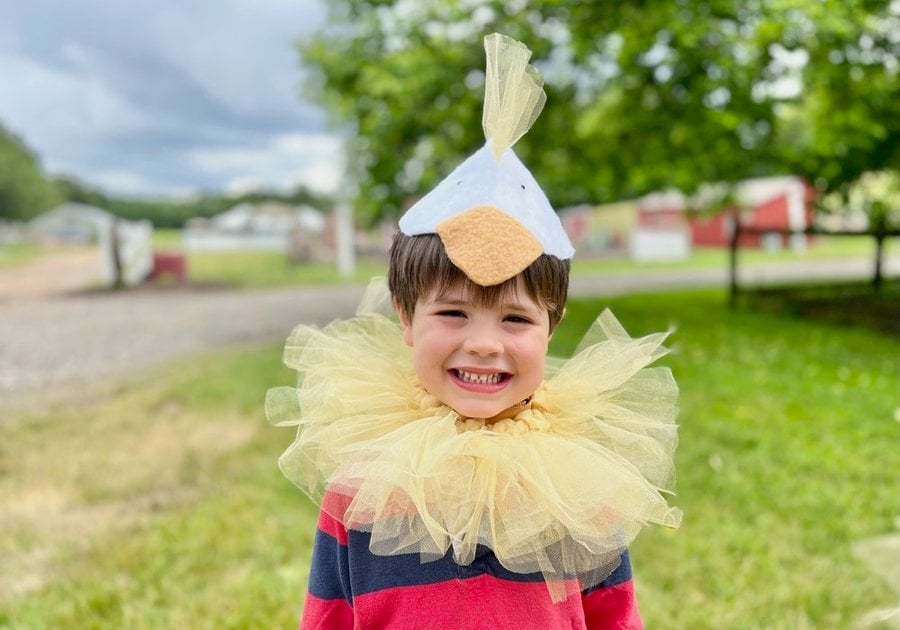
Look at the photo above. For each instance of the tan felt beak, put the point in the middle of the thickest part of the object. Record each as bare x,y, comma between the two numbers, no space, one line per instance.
488,245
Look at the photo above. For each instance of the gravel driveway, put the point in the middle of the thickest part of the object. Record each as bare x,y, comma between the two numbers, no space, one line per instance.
62,340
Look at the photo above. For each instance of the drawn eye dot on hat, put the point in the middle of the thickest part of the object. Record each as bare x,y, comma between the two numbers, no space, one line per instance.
493,229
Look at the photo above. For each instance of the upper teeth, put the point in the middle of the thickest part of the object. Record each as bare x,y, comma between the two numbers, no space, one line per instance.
471,377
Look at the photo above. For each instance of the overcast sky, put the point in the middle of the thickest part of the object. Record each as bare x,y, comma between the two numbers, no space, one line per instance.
165,97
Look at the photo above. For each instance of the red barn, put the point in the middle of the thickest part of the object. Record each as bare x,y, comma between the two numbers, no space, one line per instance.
776,203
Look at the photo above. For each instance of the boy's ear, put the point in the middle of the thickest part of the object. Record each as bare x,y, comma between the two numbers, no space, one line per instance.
555,328
405,323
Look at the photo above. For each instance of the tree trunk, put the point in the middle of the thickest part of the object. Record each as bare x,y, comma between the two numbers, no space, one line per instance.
879,255
733,261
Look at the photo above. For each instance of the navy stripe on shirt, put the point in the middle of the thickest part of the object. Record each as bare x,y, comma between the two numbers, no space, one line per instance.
621,575
329,578
369,573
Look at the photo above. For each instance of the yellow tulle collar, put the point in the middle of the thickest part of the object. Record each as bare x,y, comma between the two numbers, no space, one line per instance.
559,488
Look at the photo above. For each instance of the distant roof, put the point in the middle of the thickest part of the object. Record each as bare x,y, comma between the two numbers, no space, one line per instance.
751,192
72,222
663,200
269,216
73,210
759,190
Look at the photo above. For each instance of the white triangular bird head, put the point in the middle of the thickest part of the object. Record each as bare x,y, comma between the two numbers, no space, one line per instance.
492,216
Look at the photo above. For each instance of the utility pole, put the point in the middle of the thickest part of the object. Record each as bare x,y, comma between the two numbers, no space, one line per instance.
344,236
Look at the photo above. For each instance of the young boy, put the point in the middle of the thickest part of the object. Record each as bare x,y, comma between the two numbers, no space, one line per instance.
462,485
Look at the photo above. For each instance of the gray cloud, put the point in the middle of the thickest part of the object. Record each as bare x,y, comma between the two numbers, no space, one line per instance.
128,94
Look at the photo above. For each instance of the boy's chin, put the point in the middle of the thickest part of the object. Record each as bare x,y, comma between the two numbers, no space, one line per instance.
486,411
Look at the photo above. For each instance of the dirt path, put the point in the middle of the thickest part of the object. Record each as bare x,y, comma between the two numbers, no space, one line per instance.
52,274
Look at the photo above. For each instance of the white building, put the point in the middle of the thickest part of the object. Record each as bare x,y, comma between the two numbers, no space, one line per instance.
80,224
269,226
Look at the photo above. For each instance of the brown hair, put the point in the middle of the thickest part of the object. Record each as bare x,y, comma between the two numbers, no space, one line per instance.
419,265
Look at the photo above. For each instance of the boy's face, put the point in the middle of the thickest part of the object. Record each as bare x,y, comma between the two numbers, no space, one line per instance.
478,360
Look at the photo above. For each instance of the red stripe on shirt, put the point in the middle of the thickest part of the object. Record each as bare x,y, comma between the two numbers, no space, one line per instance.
482,602
330,516
612,608
326,614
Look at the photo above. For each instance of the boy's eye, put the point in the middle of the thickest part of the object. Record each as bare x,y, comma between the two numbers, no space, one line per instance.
451,313
517,319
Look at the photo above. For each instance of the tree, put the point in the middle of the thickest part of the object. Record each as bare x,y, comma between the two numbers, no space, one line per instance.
641,95
24,191
76,191
875,195
173,213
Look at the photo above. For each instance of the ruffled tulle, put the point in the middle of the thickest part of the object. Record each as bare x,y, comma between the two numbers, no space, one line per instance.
561,488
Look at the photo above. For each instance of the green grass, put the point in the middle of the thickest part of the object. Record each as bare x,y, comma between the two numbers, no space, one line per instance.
167,239
18,254
253,269
821,248
788,455
267,269
161,505
260,269
264,269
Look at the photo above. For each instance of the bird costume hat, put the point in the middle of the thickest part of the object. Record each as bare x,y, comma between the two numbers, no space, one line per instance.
490,213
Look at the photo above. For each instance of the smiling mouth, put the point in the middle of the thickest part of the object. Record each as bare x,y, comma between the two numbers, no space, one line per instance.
480,379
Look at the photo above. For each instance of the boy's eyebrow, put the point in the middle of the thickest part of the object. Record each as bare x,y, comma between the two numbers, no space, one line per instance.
507,306
515,306
450,301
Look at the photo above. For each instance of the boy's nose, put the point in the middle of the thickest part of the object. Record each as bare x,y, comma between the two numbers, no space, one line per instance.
482,341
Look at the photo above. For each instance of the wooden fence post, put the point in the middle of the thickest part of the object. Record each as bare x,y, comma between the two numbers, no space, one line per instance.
732,260
880,232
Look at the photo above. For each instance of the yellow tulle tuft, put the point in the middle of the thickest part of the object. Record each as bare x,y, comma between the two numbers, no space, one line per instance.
561,488
513,92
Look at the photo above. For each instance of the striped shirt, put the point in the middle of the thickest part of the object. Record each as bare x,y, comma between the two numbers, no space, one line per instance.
349,587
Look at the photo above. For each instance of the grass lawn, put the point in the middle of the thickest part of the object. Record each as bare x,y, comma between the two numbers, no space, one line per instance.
17,254
266,269
259,269
821,248
160,505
